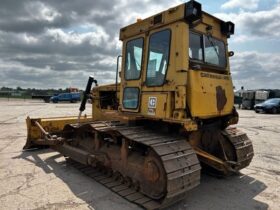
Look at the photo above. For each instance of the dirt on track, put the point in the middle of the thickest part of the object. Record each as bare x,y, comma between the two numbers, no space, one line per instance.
42,180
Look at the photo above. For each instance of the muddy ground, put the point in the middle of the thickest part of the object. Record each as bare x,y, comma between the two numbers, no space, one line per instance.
42,180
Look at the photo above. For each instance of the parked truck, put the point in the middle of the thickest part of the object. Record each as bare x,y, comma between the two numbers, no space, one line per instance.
264,94
248,99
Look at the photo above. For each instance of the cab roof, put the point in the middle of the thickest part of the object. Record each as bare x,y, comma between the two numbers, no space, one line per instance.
179,13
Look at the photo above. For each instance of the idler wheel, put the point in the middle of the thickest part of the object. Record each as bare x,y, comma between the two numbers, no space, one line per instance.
154,179
152,171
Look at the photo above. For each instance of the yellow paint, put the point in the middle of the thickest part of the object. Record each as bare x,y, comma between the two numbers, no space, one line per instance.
184,86
51,125
202,98
187,94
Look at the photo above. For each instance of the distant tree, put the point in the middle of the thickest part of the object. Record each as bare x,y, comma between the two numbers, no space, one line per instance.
5,88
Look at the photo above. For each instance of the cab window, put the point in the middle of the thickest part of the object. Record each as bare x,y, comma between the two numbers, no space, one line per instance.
215,52
196,48
130,99
207,50
133,59
158,58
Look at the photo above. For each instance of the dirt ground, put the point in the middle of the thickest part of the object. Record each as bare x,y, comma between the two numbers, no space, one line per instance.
42,180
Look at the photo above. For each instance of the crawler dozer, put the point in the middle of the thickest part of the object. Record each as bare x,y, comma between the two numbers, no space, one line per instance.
171,115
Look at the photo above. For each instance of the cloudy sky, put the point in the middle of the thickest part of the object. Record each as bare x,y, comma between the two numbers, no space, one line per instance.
59,43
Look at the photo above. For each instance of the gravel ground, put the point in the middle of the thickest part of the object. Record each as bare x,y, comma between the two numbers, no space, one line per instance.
41,179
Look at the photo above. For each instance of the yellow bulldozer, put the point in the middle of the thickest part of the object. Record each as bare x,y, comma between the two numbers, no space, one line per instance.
171,115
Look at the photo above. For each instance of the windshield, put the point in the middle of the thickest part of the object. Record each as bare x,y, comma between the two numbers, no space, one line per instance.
272,101
207,50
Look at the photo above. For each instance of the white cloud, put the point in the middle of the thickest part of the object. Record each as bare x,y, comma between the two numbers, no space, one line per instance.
29,38
256,70
242,38
50,44
241,4
95,38
40,11
65,42
255,25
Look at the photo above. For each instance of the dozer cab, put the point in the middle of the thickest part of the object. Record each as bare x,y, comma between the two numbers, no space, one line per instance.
171,115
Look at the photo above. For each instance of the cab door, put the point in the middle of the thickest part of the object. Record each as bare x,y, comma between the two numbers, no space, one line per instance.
155,91
132,68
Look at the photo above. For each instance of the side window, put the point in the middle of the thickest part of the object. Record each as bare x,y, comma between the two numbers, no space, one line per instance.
133,59
196,49
158,58
130,97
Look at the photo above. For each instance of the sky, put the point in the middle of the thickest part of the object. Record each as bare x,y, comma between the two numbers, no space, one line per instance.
58,44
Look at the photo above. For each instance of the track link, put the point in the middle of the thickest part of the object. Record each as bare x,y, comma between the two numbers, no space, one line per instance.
179,160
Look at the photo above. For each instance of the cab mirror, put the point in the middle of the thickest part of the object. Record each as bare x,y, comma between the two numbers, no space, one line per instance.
230,53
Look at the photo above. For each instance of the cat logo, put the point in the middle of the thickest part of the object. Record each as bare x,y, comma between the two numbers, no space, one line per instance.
152,102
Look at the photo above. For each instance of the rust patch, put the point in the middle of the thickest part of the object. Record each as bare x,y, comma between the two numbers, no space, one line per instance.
221,98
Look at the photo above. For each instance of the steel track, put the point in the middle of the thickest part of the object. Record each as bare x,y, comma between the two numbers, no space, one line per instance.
243,147
179,160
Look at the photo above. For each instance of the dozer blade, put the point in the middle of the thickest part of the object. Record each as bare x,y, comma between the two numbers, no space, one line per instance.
36,137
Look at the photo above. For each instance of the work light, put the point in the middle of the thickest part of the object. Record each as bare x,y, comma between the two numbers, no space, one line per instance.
227,28
193,11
